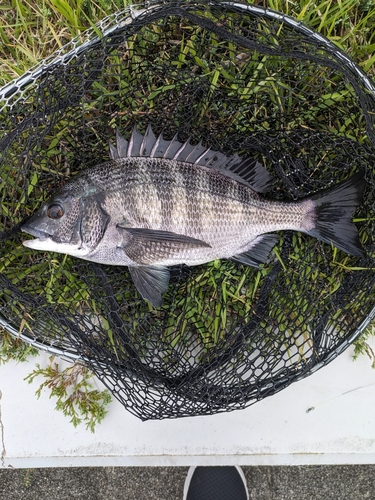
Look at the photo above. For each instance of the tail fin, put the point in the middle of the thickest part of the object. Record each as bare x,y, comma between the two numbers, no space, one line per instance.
333,212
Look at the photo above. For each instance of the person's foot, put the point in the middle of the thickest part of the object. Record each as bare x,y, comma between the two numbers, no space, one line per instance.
215,483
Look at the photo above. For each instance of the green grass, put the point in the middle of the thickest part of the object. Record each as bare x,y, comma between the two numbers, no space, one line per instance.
32,30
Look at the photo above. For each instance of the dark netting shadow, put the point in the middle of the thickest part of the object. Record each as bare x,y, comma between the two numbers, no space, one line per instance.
243,80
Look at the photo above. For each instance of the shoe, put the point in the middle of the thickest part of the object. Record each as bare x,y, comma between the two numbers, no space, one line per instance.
215,483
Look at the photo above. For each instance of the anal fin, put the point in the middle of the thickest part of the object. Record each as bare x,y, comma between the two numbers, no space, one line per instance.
258,251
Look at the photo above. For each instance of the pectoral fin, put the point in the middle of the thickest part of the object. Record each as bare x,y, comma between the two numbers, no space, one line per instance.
149,246
151,282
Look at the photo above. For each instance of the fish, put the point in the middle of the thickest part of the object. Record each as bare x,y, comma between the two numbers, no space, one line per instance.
158,203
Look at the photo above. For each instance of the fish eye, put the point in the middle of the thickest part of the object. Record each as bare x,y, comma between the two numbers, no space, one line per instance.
55,211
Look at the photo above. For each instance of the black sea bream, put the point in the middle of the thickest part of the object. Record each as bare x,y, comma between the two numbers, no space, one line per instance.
159,203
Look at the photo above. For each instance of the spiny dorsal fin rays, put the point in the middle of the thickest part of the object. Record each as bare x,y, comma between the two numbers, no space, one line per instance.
122,145
192,153
152,147
148,142
159,148
198,151
184,151
113,154
172,148
135,142
247,171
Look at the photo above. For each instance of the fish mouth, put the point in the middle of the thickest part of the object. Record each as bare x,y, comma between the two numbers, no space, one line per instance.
40,236
35,232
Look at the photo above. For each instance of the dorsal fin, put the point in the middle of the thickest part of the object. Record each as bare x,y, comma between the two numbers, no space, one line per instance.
159,148
135,141
248,171
113,154
172,148
148,142
253,173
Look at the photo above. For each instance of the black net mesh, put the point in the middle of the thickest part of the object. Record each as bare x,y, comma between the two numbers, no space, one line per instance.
243,80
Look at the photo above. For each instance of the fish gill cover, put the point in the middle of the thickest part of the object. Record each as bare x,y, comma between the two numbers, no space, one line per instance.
242,81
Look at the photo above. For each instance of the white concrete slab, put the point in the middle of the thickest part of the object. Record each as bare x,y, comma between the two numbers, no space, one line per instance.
279,430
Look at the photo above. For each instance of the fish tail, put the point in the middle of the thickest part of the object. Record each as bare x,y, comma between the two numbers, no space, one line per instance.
330,214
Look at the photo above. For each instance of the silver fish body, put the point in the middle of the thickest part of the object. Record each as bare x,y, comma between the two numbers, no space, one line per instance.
160,203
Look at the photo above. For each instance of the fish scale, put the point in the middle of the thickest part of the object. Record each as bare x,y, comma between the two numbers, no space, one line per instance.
183,204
